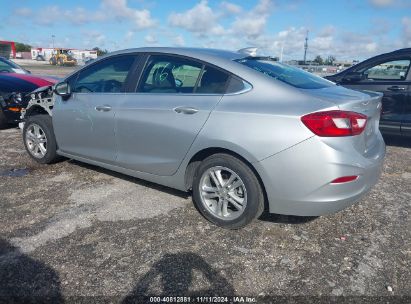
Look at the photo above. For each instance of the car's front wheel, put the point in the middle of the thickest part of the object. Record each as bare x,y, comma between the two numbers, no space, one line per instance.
39,139
227,192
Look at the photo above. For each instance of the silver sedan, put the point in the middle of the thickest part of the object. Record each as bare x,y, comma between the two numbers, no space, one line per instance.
243,133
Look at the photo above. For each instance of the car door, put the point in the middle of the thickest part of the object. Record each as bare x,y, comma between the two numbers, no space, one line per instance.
156,126
84,123
406,118
389,77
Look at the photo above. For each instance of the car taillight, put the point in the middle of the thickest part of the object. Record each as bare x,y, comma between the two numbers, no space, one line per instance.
335,123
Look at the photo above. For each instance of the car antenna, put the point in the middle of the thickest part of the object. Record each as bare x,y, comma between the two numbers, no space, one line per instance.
250,51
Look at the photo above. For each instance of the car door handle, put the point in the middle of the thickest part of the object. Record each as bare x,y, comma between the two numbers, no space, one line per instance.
104,108
186,110
396,88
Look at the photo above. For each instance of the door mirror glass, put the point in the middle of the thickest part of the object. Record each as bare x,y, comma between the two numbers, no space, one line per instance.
63,89
179,83
354,77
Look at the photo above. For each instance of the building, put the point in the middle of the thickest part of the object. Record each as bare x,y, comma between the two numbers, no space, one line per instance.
7,49
40,53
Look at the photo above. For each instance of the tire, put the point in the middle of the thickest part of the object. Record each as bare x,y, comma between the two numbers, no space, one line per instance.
52,61
44,123
60,62
250,192
3,120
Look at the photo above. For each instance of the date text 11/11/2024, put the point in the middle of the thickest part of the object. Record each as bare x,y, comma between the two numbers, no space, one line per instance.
199,299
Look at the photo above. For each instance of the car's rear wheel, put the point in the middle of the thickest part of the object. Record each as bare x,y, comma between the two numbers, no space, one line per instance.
227,192
39,139
3,120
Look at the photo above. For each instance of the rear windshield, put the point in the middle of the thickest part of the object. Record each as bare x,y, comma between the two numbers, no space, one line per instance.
285,73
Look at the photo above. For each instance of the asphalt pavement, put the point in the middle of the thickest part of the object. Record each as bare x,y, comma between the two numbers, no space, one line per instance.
71,232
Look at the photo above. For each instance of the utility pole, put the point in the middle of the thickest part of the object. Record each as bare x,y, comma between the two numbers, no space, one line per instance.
305,47
282,51
52,40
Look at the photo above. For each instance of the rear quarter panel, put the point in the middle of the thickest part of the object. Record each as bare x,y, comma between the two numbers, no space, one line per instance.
260,122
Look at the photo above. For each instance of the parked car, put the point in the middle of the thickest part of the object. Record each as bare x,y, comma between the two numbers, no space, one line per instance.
7,66
14,88
388,74
243,133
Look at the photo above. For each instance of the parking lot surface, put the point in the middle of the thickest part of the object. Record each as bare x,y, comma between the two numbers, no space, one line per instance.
72,230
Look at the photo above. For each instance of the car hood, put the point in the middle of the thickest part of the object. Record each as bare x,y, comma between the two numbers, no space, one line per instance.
23,83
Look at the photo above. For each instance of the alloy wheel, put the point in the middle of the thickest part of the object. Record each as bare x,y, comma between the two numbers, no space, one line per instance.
36,141
223,193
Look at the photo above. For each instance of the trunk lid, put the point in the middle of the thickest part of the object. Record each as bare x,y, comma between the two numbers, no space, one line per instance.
364,102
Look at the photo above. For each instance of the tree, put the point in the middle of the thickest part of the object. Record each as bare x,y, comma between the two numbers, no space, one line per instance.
21,47
330,60
319,60
100,52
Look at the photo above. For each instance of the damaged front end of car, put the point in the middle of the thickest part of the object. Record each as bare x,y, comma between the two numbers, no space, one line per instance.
41,101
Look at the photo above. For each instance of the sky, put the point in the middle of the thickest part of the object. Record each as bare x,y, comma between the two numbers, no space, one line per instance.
345,29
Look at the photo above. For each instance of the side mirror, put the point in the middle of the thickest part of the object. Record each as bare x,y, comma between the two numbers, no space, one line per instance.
354,77
179,83
63,89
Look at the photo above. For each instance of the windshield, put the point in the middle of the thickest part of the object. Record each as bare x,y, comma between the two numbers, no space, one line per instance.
285,73
8,66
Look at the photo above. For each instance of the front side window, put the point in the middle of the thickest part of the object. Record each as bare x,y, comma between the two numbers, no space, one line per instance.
391,70
107,76
168,74
285,73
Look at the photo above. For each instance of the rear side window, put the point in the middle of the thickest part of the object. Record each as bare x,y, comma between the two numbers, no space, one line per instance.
235,85
287,74
213,81
169,74
391,70
107,76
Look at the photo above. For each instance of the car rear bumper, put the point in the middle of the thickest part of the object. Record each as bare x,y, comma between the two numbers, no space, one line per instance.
298,180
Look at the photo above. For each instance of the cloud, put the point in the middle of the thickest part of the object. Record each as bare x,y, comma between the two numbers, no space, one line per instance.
93,38
253,23
119,9
231,8
23,12
390,3
204,22
109,10
128,37
179,40
200,20
326,31
150,39
382,3
406,31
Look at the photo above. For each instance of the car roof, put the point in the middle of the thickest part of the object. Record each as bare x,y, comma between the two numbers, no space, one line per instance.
393,53
221,58
199,53
405,50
